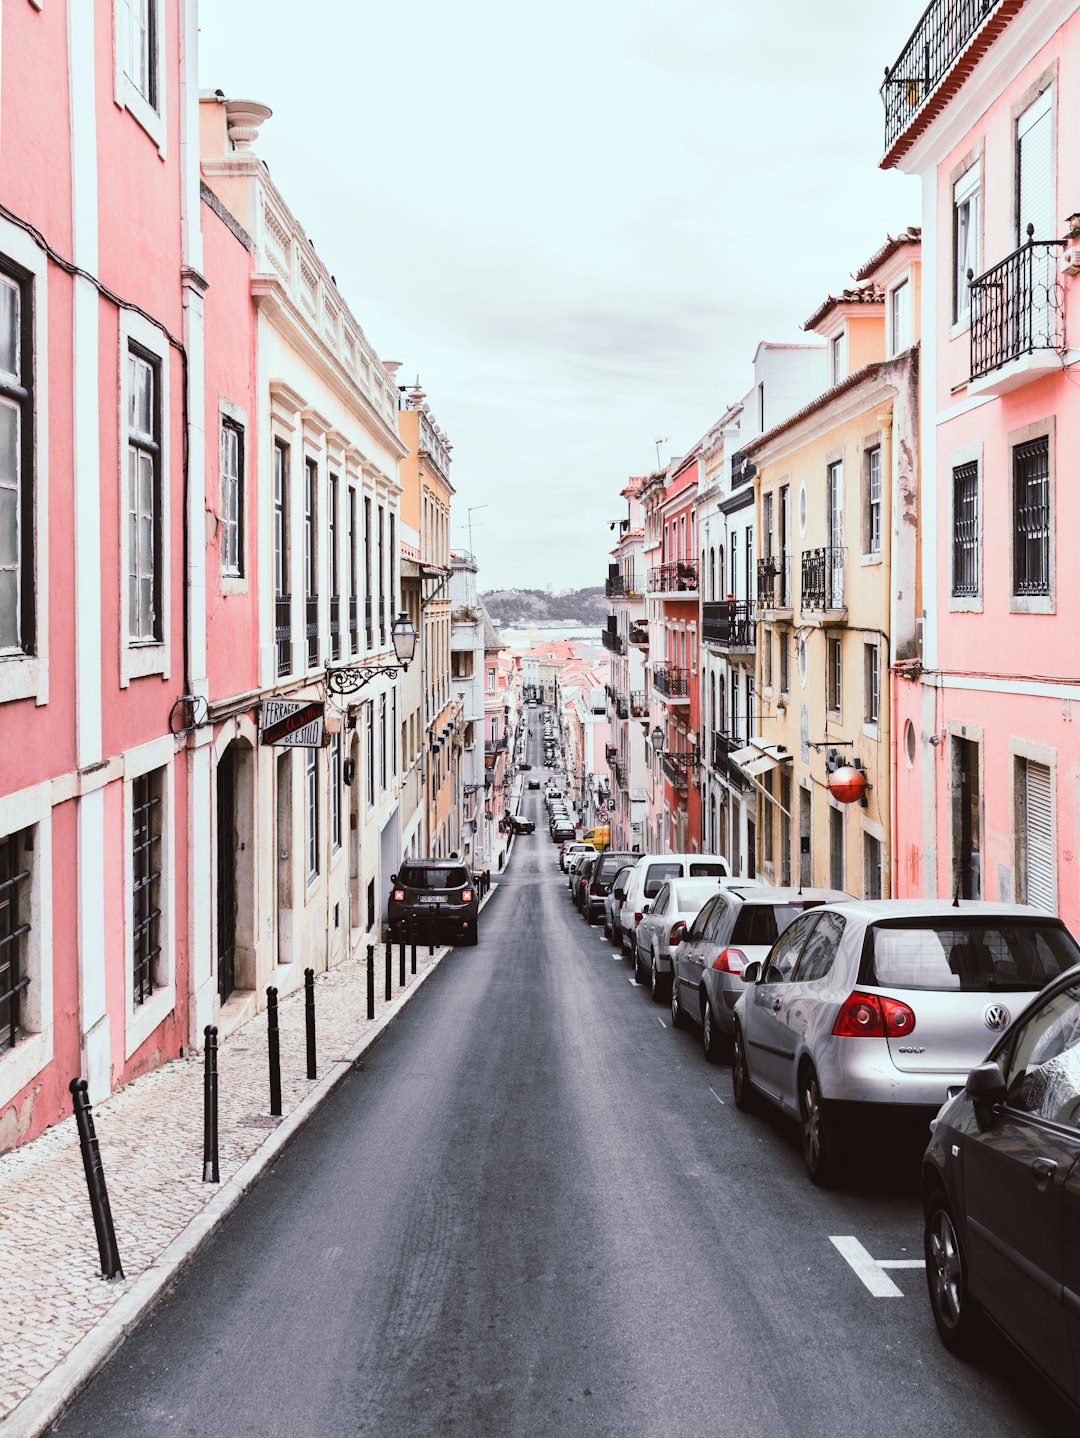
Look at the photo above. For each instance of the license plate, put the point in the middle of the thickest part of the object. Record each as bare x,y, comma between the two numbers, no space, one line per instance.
432,899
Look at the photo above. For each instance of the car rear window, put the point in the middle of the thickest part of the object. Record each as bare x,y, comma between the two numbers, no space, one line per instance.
448,878
610,865
706,870
973,956
657,874
764,923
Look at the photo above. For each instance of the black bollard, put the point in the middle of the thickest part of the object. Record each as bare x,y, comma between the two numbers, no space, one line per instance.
389,970
371,981
273,1045
210,1171
412,940
309,1019
401,960
108,1252
430,934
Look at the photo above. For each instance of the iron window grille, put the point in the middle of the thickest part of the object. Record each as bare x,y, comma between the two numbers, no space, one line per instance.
823,578
16,466
311,795
1031,517
144,497
232,498
283,632
14,905
146,884
965,537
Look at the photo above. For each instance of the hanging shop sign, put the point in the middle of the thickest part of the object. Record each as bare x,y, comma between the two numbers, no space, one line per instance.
298,724
848,785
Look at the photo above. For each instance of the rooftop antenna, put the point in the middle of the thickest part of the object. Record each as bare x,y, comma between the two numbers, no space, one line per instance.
660,439
468,520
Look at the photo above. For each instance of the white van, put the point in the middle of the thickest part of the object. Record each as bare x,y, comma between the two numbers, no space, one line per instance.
649,875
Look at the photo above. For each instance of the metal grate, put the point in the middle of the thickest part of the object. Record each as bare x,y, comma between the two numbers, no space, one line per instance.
146,871
354,624
14,901
942,33
283,632
965,545
1017,306
311,612
1031,517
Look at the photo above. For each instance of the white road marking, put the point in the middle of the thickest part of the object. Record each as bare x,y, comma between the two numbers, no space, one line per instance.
872,1270
660,1021
633,982
616,956
715,1095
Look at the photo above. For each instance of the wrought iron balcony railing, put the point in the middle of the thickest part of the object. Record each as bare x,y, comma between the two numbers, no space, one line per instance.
674,683
369,628
940,37
639,705
680,577
610,753
613,640
619,772
1017,306
283,632
495,746
335,626
639,635
722,745
774,582
311,629
742,469
622,586
728,623
354,623
622,708
674,772
823,578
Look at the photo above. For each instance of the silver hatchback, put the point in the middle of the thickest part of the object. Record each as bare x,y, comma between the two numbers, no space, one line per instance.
884,1003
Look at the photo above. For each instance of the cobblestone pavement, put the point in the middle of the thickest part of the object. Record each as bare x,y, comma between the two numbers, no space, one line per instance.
151,1137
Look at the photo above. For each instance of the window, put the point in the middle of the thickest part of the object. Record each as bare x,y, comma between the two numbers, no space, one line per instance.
491,679
836,848
354,572
335,791
138,64
382,577
965,536
816,959
146,885
335,568
370,755
1031,517
311,808
781,961
872,533
141,59
871,683
369,631
965,241
1035,171
232,497
783,640
900,317
311,560
16,467
382,743
282,596
872,867
838,353
144,499
15,852
1043,1072
766,658
834,676
767,818
1036,877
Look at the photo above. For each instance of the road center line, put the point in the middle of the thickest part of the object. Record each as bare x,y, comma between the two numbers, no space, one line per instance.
872,1270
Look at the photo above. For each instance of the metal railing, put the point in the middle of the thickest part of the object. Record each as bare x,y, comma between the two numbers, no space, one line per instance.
823,578
335,626
613,640
675,683
722,746
674,772
619,772
610,753
283,632
1017,306
639,705
622,708
728,623
354,623
369,628
742,469
639,635
311,629
622,586
774,582
680,577
495,746
941,35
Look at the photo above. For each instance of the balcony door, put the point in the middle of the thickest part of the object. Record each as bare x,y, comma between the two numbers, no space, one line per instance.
1035,207
834,561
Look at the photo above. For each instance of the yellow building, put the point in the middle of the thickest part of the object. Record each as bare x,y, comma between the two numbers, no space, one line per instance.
837,586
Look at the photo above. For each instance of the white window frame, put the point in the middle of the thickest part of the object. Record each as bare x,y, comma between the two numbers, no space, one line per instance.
966,188
874,506
32,809
335,793
901,295
138,657
125,91
142,1019
871,715
838,357
230,416
311,816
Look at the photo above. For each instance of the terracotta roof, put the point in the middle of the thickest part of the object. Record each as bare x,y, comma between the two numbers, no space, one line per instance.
851,382
911,236
868,294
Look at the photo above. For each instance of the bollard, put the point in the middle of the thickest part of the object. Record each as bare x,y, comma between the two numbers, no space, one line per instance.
389,970
309,1019
108,1252
431,935
210,1171
273,1045
371,981
412,940
401,960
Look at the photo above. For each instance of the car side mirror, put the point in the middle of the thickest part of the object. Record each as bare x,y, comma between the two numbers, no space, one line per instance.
393,878
752,973
645,908
985,1088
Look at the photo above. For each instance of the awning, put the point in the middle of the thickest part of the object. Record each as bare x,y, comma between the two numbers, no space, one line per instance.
758,757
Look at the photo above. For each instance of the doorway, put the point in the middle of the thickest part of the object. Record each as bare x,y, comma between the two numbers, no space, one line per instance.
226,873
967,838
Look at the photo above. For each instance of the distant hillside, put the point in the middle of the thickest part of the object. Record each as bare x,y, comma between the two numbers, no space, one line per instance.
518,608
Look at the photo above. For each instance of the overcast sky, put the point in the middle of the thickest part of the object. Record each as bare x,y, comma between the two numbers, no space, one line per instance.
574,220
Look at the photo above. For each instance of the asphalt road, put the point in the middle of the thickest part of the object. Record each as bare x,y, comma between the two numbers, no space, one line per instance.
535,1211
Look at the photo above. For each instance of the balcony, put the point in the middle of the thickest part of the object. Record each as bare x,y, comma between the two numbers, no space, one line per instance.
823,579
674,772
622,708
639,635
673,684
742,469
619,773
311,629
283,632
724,744
354,624
1017,318
335,626
728,624
774,582
610,753
940,37
623,586
679,578
613,640
639,704
369,631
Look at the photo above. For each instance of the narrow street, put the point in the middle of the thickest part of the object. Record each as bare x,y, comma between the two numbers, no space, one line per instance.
536,1211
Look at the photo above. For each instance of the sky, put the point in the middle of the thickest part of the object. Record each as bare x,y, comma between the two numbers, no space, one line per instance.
574,221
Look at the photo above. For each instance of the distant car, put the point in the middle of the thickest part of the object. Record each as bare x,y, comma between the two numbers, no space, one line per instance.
736,926
437,892
521,825
523,766
591,899
1001,1192
653,870
534,783
662,925
883,1006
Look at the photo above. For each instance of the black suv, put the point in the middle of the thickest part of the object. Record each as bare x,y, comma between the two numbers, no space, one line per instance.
438,892
591,897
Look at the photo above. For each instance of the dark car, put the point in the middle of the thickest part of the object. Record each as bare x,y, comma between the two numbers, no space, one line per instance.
534,783
590,900
521,825
563,830
437,892
1001,1190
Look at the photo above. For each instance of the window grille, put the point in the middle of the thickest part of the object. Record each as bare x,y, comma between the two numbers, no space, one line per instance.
965,543
14,906
1031,517
146,885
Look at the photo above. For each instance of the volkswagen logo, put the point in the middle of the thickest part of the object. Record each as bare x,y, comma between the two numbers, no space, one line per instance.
996,1016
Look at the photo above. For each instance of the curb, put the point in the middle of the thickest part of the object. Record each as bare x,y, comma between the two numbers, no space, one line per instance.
41,1408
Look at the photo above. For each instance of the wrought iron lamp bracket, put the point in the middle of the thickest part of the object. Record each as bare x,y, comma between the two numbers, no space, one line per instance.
352,678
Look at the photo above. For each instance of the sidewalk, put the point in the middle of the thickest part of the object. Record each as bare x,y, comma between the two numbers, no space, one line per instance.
59,1319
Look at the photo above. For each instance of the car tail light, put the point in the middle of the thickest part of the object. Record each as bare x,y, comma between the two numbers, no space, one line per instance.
872,1016
729,961
399,895
467,896
637,918
676,933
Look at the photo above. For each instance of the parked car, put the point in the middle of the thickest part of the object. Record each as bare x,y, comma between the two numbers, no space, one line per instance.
886,1003
1001,1192
736,926
653,870
563,830
521,825
662,925
579,870
433,891
591,896
568,850
613,899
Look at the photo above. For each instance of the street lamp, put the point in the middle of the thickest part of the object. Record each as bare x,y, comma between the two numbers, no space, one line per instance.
685,758
350,677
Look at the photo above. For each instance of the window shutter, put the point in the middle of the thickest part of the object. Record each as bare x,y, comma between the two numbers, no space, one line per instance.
1038,846
1035,172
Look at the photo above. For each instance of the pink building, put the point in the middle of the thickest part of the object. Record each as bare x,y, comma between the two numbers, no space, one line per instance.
987,748
98,495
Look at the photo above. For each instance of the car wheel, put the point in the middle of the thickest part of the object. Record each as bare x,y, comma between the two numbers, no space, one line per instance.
677,1019
955,1312
711,1037
639,972
656,984
741,1087
820,1145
